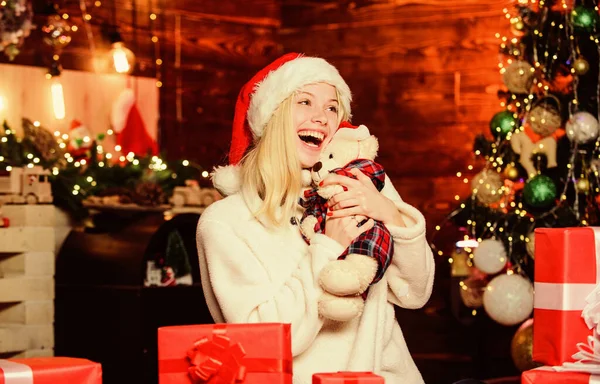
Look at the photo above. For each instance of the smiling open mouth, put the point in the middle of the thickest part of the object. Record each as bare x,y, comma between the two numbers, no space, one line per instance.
311,138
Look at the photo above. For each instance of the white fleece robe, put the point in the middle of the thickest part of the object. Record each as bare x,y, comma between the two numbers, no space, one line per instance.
251,275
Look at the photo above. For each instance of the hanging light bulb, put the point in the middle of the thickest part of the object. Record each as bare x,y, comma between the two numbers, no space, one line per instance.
56,88
122,58
58,99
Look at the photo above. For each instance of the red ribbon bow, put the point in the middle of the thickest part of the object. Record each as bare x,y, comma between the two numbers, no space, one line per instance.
216,361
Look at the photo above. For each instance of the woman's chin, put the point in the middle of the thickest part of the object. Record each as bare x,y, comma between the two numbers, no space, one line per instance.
307,163
307,160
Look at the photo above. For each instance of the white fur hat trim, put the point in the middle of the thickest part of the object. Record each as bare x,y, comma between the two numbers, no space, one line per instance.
279,84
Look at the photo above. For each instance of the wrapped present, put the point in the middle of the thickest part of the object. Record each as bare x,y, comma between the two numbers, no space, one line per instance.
547,375
50,370
225,353
566,273
347,378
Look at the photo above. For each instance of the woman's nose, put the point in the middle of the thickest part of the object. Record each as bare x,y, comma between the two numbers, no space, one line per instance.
320,117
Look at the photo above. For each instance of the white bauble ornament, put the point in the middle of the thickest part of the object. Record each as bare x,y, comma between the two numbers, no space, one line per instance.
508,299
490,256
487,186
582,127
530,244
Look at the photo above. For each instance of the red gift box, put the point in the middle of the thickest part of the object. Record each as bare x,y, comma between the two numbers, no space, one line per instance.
347,378
547,375
50,370
225,353
566,273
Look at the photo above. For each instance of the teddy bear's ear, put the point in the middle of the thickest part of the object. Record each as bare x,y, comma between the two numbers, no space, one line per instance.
369,148
359,133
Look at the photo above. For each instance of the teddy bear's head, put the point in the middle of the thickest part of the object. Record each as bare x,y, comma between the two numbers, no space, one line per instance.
347,144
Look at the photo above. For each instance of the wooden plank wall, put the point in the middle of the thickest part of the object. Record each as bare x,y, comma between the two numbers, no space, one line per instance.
424,75
208,50
424,72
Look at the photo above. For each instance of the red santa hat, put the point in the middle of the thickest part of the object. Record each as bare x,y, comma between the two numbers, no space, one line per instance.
260,97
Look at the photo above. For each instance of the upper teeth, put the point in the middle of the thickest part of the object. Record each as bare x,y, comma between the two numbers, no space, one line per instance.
318,135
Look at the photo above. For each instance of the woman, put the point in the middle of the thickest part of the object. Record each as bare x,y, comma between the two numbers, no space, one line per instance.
255,266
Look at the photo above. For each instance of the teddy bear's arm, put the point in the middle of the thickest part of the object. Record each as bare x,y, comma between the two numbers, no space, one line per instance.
330,190
307,226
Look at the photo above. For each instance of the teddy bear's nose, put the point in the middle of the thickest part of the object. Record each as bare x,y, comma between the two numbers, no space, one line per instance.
317,167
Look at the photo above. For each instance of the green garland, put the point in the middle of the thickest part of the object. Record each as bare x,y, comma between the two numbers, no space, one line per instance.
72,182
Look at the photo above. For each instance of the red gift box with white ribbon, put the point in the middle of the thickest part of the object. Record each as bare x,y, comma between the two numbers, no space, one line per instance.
567,270
347,378
50,370
225,354
547,375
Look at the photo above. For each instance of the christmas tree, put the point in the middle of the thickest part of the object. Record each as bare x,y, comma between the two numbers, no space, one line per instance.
538,162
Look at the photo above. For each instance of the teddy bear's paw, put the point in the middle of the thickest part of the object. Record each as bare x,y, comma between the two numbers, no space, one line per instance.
366,268
340,278
340,308
330,190
307,226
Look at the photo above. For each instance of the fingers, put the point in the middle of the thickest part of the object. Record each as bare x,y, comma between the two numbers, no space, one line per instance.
351,211
347,199
360,218
346,203
362,177
359,174
339,179
366,226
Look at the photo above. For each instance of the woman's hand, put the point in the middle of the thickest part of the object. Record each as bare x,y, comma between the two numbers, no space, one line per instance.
361,197
345,229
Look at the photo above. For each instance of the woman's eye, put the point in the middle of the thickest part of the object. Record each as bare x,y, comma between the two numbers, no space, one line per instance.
333,109
304,102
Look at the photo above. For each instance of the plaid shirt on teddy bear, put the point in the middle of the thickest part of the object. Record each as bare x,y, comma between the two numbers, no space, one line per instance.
376,242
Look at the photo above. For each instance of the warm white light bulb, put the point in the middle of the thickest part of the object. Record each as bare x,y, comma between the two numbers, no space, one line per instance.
123,58
120,60
58,99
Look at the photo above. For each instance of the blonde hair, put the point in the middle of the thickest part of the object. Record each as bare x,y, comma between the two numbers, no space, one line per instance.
271,170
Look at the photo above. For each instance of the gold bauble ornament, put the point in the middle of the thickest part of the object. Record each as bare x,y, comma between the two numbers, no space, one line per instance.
530,244
544,119
471,291
518,77
581,66
511,172
521,347
488,186
460,263
582,185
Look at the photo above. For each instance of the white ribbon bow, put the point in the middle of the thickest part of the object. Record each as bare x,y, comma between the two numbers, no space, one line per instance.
588,356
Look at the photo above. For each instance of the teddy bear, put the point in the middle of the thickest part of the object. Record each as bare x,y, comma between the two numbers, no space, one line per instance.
346,280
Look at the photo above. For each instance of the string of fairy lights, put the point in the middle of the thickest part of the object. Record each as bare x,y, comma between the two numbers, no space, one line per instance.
518,109
62,140
123,63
